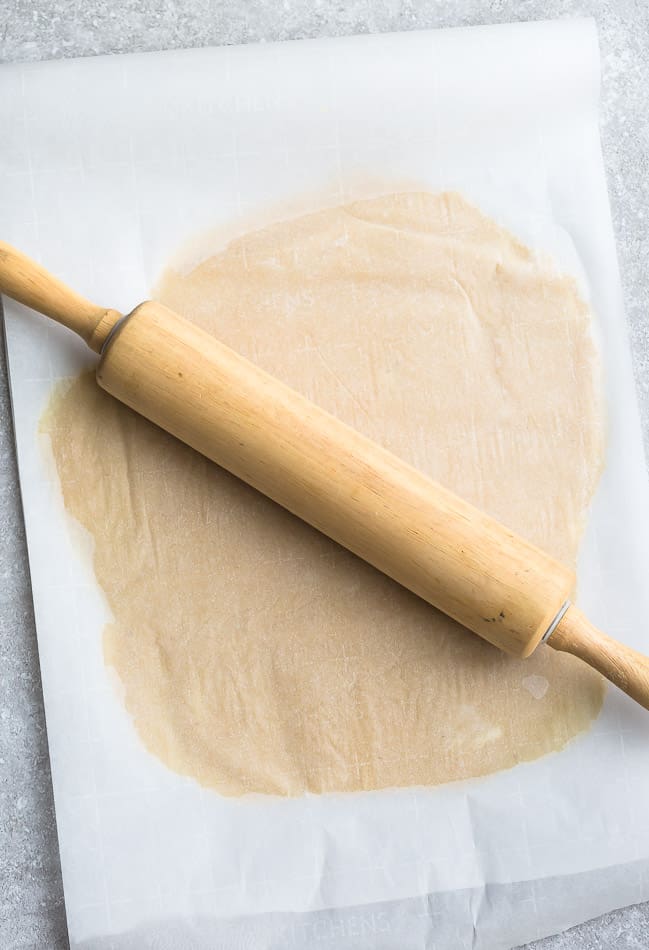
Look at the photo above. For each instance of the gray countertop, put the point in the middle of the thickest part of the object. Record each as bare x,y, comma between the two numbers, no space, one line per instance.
32,911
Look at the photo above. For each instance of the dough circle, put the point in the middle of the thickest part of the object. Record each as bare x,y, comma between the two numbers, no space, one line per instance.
256,655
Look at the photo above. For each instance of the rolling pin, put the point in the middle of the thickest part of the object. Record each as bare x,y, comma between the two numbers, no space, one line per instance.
438,546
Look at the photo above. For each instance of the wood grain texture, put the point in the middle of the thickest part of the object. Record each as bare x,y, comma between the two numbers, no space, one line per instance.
345,485
30,284
625,668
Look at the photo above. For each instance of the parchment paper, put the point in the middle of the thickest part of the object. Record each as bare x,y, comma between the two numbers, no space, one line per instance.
107,166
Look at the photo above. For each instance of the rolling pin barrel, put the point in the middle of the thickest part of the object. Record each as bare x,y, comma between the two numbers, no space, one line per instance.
347,486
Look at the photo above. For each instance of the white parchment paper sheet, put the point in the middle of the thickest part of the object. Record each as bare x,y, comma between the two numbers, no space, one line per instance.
107,166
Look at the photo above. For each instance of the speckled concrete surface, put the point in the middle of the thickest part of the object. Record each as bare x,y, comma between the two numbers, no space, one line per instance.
31,899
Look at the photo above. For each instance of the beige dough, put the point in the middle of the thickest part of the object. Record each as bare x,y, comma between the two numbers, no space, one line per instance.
256,655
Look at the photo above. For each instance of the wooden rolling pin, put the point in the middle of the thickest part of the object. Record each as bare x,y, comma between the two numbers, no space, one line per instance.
426,538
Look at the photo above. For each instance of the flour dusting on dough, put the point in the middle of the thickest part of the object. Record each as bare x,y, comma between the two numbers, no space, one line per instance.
536,685
256,655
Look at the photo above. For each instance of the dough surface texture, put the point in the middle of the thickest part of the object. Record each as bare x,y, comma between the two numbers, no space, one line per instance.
257,656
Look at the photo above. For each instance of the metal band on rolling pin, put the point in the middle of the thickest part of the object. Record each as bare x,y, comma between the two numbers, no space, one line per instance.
555,623
113,330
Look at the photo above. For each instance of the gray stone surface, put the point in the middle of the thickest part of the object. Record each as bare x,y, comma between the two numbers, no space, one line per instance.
31,898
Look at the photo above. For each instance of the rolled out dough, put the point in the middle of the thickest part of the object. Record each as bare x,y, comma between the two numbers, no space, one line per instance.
257,656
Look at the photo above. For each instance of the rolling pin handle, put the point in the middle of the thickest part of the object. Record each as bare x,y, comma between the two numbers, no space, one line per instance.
30,284
625,668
